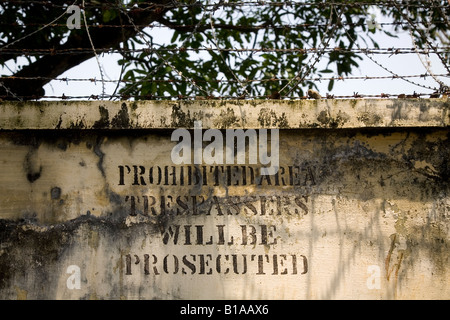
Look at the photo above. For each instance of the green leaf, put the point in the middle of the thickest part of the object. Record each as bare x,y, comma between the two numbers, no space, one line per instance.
330,85
109,15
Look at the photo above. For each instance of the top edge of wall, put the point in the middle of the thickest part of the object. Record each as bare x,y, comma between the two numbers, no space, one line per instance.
225,114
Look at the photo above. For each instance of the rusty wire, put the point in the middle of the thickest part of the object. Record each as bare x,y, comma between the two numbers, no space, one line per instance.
337,78
294,26
257,3
377,51
355,95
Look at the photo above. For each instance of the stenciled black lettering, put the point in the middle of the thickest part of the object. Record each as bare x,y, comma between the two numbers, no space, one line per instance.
188,264
299,202
184,205
208,264
122,174
233,205
139,171
172,232
175,265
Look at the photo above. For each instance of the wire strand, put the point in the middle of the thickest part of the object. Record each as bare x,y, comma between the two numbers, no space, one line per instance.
95,53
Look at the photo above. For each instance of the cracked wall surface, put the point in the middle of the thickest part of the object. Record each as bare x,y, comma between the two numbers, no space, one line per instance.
359,208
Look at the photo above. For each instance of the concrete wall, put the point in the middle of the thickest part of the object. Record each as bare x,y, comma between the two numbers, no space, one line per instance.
93,207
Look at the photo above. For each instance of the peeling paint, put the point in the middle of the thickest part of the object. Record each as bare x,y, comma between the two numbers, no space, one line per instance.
121,120
324,113
226,119
181,118
369,118
103,122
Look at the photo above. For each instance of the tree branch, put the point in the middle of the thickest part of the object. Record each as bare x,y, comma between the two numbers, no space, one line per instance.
52,66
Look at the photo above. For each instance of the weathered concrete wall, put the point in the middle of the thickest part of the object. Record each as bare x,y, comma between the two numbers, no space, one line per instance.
295,114
92,207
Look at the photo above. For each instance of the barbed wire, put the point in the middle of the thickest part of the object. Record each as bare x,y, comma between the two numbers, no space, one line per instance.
337,78
164,61
414,27
237,27
426,61
223,4
355,95
390,71
289,84
324,42
9,91
375,51
38,30
93,49
220,50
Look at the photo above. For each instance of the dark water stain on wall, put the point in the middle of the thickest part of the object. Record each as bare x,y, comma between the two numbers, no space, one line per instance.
361,165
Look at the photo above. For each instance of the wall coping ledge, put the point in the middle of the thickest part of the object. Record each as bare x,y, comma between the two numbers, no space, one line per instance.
225,114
